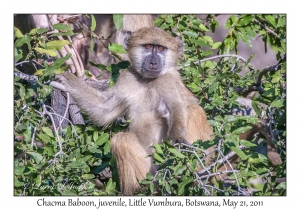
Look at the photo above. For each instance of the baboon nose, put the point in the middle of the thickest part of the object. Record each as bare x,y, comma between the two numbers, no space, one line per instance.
153,65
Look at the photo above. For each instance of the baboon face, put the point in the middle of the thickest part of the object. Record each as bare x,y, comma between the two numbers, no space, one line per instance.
152,64
152,51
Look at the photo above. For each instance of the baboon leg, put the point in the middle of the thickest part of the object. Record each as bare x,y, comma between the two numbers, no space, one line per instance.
198,127
132,163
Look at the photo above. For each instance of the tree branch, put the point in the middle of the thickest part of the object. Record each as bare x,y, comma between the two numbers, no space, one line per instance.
267,29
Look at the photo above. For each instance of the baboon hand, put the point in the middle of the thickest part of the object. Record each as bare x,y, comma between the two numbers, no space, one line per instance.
178,136
65,82
274,158
180,141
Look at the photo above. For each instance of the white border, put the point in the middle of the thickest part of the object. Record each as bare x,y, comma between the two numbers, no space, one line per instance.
8,201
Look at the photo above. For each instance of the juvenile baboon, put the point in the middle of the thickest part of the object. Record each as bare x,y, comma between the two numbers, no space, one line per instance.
153,96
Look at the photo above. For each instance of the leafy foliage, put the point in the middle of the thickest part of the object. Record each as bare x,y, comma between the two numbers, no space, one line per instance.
218,83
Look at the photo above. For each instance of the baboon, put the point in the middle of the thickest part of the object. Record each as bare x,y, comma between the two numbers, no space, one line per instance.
153,96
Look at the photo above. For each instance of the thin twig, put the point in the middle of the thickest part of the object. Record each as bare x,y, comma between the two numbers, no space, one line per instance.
46,112
272,68
27,77
67,109
228,156
28,61
222,56
193,152
219,173
226,159
267,28
198,180
33,136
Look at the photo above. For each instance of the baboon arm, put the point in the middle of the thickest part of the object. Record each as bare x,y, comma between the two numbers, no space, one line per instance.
101,107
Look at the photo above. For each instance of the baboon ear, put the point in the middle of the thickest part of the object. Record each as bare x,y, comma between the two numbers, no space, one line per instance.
180,44
126,40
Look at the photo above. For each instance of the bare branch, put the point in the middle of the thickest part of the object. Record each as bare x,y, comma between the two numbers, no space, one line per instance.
28,61
267,29
228,156
67,108
272,68
29,78
222,56
248,89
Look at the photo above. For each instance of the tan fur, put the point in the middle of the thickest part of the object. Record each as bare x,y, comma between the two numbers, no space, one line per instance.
132,161
155,36
198,127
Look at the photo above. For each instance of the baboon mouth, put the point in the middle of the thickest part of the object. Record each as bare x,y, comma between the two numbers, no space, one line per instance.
152,72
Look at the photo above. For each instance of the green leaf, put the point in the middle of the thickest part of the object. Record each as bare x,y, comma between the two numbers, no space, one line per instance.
88,176
17,32
158,148
36,156
216,45
102,139
157,157
56,65
251,33
151,187
18,54
68,33
278,103
48,131
261,171
42,30
23,40
39,72
271,20
200,42
176,152
232,118
180,170
145,182
57,44
77,164
182,185
255,105
239,152
116,48
93,24
158,22
247,143
149,176
19,170
17,183
95,135
246,40
118,21
190,34
203,27
269,93
282,185
245,20
62,27
44,138
52,53
107,148
241,130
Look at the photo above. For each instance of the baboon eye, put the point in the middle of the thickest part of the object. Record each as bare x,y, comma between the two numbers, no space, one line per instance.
148,46
160,48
